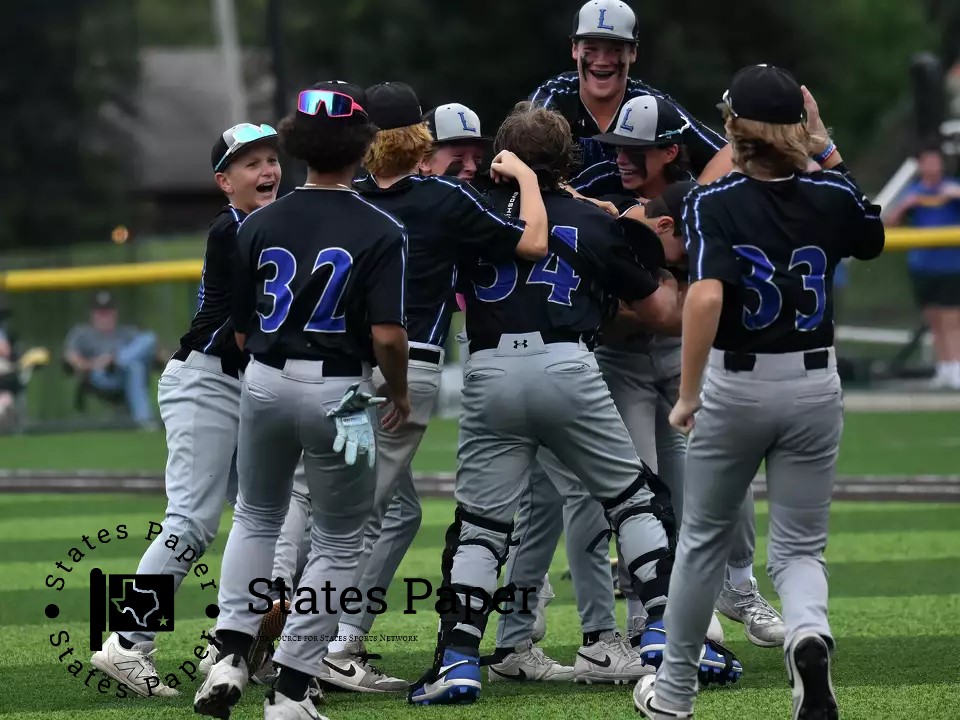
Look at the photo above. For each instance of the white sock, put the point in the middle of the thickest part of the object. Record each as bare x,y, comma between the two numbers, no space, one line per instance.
740,577
635,608
953,374
943,371
345,633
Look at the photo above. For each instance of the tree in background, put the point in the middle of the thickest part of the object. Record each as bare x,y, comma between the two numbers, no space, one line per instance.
63,163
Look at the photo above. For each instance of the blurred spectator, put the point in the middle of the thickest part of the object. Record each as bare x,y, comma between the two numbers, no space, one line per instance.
8,378
933,200
114,359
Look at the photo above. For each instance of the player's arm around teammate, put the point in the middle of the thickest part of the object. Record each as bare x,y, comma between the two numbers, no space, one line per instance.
764,243
320,297
199,396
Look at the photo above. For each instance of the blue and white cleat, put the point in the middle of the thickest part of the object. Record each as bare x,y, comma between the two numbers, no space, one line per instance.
718,666
457,682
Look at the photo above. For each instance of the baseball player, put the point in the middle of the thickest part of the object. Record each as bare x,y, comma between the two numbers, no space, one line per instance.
642,372
763,244
605,35
320,297
643,369
443,216
530,381
199,396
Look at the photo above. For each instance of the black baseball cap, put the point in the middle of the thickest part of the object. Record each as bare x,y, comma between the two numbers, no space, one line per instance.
238,138
393,105
672,199
103,300
606,20
454,122
646,121
765,93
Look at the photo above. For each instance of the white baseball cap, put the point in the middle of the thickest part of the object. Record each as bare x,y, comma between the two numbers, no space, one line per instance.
646,121
454,122
606,20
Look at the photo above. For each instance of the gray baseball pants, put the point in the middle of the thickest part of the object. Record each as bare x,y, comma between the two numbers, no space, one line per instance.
200,409
791,418
283,415
520,396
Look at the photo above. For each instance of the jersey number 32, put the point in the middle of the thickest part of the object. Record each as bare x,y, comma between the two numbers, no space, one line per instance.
810,261
324,318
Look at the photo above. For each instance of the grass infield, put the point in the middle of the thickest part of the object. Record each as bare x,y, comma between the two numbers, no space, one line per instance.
895,604
874,443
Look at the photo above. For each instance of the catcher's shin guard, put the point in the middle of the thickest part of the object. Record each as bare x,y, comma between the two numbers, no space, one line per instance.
464,609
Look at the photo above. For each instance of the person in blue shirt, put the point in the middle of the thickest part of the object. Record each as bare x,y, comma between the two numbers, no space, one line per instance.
933,200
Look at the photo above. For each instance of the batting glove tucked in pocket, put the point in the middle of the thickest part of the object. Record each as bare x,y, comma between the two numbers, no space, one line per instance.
354,432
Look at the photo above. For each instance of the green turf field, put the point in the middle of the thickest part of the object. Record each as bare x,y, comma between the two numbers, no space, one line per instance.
873,444
895,608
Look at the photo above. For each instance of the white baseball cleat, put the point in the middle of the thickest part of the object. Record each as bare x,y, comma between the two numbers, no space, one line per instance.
222,688
134,668
644,700
528,663
761,622
610,660
808,666
278,706
544,598
350,669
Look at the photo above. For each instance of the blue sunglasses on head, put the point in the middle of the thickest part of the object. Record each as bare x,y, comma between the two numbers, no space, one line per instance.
244,134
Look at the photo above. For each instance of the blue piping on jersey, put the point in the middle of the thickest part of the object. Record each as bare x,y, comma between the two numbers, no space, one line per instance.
403,255
696,219
486,211
214,336
842,185
433,330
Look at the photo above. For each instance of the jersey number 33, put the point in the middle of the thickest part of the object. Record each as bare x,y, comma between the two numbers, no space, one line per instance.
811,264
324,318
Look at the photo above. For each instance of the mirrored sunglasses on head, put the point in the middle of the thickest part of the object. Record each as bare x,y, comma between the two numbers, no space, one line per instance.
335,104
244,134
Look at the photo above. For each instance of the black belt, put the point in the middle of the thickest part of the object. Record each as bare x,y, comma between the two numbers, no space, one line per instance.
230,365
425,355
745,362
487,342
341,367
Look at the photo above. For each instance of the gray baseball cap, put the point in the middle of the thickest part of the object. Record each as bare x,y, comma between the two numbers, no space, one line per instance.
646,121
454,122
606,20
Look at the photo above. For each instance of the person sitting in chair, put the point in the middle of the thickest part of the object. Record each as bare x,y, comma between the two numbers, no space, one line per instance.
112,358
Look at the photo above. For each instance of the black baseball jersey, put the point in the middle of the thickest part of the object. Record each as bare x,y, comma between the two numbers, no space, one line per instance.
315,269
211,330
775,246
603,178
590,259
562,94
443,216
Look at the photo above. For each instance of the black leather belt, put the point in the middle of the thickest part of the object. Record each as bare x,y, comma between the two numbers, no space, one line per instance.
341,367
745,362
425,355
231,366
549,337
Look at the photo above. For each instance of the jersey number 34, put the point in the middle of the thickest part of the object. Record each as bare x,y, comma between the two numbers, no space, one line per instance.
561,279
810,260
324,318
